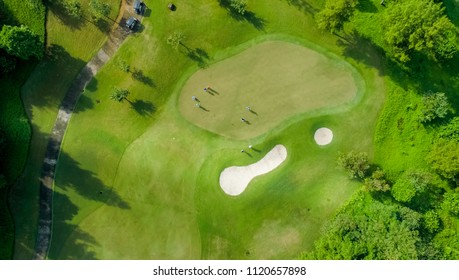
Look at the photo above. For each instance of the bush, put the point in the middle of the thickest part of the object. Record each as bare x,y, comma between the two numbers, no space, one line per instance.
444,158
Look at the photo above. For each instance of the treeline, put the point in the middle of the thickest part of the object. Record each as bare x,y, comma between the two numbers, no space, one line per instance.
410,212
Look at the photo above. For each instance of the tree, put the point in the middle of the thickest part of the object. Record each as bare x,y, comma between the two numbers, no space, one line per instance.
335,14
370,230
119,94
99,9
73,8
451,130
123,65
21,42
431,221
451,202
435,106
356,164
410,184
377,182
419,26
7,63
240,6
444,158
175,39
2,181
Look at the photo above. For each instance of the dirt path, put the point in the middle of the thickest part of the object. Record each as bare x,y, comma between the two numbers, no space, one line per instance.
115,38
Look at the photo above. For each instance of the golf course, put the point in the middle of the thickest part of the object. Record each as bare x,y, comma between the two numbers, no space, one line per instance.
211,131
135,182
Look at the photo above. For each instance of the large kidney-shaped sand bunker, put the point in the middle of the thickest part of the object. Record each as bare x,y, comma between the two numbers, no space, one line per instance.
275,79
235,179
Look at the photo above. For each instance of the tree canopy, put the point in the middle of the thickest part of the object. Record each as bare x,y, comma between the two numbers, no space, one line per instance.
370,230
335,14
419,26
355,163
435,106
119,94
444,158
21,42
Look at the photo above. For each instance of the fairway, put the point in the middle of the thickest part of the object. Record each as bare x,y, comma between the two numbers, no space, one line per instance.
275,79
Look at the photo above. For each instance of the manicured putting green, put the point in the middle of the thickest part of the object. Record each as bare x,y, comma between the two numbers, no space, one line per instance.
275,79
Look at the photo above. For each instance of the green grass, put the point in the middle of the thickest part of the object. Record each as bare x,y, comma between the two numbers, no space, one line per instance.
42,94
277,79
12,116
138,181
29,12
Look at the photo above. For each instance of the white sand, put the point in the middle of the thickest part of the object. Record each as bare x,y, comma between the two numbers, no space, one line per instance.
234,179
323,136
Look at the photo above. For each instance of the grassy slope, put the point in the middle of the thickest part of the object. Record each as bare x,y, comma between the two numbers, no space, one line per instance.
129,189
42,95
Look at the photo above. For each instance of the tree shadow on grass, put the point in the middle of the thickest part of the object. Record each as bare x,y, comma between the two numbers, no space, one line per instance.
199,56
69,242
304,6
143,108
85,183
138,75
367,6
57,8
362,50
249,16
84,103
49,81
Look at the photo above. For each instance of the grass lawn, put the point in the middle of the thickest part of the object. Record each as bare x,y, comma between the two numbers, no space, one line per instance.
42,94
136,180
276,79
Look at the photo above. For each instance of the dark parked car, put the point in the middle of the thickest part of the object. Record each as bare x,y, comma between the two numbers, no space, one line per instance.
131,22
139,7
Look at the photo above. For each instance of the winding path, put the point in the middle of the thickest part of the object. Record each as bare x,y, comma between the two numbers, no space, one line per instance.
115,38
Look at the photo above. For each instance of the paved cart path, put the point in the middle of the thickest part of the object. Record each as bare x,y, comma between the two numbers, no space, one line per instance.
115,38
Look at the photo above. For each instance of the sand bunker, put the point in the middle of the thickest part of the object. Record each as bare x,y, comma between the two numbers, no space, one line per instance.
323,136
235,179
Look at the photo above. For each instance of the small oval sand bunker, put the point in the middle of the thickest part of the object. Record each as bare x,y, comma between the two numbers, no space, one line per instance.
323,136
277,80
235,179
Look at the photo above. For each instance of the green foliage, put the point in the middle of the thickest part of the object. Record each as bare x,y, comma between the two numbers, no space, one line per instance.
444,158
99,9
376,182
20,41
335,14
119,94
73,8
431,221
2,181
451,130
30,13
123,65
240,6
451,202
419,26
175,39
370,230
7,63
435,106
355,163
411,183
